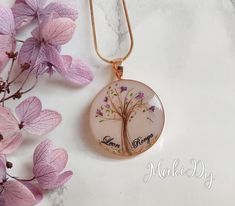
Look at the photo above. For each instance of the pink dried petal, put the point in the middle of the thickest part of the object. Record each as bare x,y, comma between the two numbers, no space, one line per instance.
3,158
45,174
62,179
58,31
10,144
58,159
29,52
8,123
36,4
23,14
78,73
42,152
2,171
16,194
6,45
7,23
45,123
29,109
19,1
54,58
60,9
36,191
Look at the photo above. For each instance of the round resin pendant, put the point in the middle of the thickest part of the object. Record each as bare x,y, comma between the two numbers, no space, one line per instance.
126,117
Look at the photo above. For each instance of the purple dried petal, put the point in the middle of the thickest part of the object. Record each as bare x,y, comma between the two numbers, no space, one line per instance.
2,171
59,9
123,89
17,194
58,159
99,113
42,152
106,99
36,4
152,108
78,73
44,124
62,179
29,109
23,14
36,191
7,23
58,31
10,144
140,95
45,174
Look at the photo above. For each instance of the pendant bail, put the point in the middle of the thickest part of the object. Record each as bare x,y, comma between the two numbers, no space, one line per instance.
117,65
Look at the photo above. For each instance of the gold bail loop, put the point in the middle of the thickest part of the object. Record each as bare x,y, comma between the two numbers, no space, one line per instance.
118,68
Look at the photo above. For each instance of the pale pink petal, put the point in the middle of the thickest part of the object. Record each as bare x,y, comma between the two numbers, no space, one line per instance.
29,109
23,14
29,52
6,45
58,159
19,1
16,194
67,59
10,144
42,152
45,174
78,73
36,191
54,57
36,33
2,201
62,179
45,123
58,31
2,171
3,158
36,4
8,123
60,9
32,53
7,23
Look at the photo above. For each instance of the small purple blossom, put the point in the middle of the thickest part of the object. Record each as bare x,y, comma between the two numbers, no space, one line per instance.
99,113
106,99
152,108
140,95
123,89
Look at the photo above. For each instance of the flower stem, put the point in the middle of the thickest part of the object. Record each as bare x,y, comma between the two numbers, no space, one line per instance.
22,180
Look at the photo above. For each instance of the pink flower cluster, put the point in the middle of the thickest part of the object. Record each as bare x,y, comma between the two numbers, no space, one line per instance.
41,53
48,162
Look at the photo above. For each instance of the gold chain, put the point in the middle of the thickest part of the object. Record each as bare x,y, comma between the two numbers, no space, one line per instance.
118,69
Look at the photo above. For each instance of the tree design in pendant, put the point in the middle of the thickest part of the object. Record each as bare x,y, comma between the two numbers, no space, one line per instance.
122,104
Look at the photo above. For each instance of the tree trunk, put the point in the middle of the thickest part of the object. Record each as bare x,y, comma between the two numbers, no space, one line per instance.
126,145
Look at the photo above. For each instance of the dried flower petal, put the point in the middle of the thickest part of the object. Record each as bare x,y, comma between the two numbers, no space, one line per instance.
49,161
58,31
60,9
16,194
10,144
29,109
44,124
78,73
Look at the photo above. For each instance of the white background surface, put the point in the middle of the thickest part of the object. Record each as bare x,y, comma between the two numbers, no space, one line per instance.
184,50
